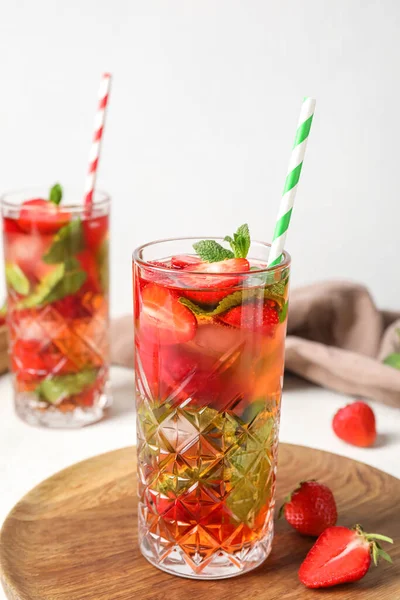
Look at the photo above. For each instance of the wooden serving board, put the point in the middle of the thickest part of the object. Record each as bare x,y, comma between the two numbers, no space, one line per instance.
3,349
74,536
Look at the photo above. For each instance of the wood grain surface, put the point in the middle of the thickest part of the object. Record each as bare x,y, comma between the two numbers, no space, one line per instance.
3,349
74,537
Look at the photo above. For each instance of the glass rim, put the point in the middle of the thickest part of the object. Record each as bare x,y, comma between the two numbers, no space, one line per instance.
100,198
137,258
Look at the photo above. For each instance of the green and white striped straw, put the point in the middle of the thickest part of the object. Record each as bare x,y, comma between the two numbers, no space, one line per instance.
292,179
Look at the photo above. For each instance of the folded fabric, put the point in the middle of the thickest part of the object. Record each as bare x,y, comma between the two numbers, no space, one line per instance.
337,338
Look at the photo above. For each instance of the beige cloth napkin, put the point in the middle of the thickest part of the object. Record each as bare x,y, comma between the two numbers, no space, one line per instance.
337,338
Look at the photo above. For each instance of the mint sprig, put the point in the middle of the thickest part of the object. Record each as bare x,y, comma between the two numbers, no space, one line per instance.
250,472
247,466
56,388
283,313
240,243
274,292
43,288
67,242
212,251
65,279
55,194
73,279
16,279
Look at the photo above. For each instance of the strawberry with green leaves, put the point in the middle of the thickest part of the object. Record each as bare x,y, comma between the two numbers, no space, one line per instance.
341,555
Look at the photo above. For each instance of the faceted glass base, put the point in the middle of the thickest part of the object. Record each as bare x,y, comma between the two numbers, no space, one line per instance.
34,412
220,565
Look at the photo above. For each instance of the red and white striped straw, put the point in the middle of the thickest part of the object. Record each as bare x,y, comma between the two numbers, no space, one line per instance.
94,155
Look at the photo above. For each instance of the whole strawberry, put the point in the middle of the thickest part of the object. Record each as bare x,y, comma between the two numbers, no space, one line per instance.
341,555
310,508
355,424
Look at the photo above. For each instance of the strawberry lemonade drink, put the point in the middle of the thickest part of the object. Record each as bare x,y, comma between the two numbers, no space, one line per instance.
210,327
56,266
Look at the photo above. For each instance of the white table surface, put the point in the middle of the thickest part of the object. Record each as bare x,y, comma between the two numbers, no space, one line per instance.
29,454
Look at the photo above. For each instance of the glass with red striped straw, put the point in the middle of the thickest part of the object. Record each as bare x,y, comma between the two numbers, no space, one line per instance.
56,266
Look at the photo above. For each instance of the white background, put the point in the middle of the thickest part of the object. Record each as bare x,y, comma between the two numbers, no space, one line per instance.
202,117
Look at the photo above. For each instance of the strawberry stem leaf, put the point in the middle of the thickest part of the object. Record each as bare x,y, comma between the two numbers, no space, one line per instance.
385,556
375,548
378,536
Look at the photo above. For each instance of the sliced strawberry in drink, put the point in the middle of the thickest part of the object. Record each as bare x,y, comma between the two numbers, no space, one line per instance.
211,290
163,318
11,226
184,260
26,360
161,277
43,216
95,230
158,263
231,265
253,316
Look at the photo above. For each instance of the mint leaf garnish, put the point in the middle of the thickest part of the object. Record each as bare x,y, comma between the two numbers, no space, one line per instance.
16,279
55,195
71,282
226,303
67,242
42,290
240,243
393,360
58,387
283,313
247,468
65,279
250,472
211,251
272,292
102,263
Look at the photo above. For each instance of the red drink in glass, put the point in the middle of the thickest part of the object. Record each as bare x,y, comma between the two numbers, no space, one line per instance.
209,369
56,264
